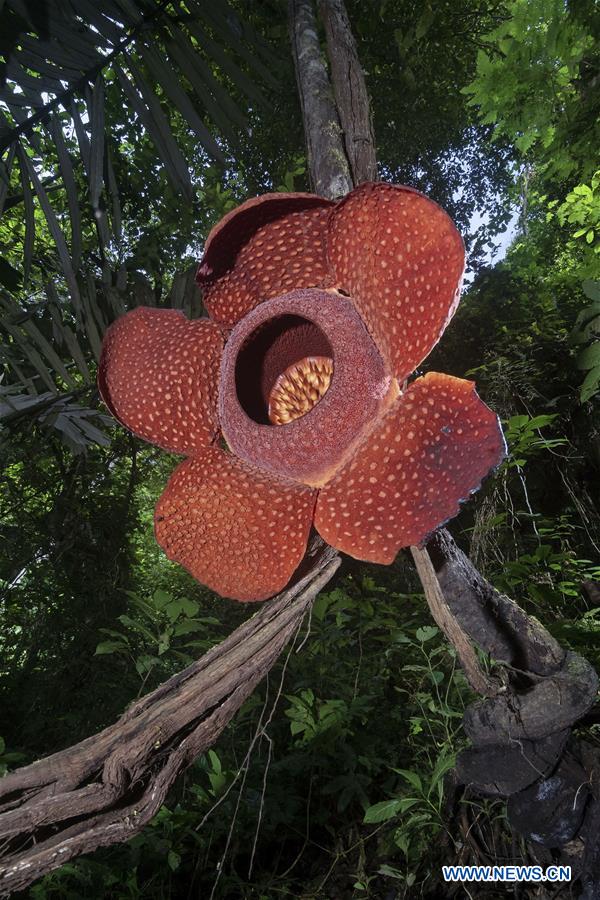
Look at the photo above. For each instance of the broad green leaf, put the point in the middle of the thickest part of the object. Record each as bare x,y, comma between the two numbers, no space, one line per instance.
426,633
589,357
215,762
591,384
160,598
106,647
381,812
592,290
173,860
320,606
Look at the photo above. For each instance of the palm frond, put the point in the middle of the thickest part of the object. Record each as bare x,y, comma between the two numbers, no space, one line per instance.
71,72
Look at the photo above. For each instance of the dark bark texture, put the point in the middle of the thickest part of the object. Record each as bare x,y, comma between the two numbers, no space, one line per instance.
522,742
327,161
350,91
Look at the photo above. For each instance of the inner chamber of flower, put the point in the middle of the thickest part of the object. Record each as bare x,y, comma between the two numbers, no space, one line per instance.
283,370
300,380
299,389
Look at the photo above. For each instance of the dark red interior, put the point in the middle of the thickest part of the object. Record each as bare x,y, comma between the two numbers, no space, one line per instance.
268,351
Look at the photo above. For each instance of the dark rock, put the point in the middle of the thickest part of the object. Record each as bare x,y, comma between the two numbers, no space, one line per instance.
553,704
501,769
550,811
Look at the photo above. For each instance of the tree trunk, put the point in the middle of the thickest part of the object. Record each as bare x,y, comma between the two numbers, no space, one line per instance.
350,90
327,162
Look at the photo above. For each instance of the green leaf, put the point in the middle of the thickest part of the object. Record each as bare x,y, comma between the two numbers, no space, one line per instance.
211,93
173,860
591,289
238,77
215,762
424,22
97,140
426,633
321,606
29,213
5,172
146,105
444,764
189,607
589,357
106,647
55,230
591,384
169,81
217,781
68,177
381,812
160,598
411,777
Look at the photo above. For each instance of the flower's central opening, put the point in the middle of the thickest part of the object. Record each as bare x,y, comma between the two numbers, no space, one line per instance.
299,389
283,370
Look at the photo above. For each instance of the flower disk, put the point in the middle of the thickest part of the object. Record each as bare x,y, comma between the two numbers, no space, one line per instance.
263,346
298,389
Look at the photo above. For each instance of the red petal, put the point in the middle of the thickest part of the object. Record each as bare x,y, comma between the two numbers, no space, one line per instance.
158,375
265,247
401,259
240,531
424,457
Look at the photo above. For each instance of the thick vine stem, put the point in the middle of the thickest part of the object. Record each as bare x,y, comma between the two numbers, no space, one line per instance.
105,789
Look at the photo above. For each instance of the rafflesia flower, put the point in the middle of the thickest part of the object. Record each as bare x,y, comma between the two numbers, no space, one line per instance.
290,401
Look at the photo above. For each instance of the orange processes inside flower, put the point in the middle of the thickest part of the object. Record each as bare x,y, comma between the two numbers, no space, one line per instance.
299,389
